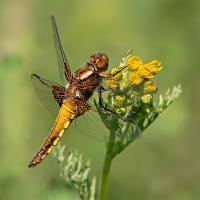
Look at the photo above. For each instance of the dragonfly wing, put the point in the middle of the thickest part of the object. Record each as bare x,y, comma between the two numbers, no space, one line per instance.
50,94
90,125
95,126
63,64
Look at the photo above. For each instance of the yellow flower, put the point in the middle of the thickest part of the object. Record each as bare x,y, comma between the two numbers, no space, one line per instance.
134,62
153,67
150,69
135,78
144,71
111,84
149,87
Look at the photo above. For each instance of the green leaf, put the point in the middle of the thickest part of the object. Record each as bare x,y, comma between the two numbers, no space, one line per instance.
76,172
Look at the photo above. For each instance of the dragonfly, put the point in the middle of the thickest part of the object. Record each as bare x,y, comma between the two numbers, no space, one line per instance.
73,99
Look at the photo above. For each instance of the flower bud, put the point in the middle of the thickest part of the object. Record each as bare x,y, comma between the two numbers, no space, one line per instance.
147,98
119,100
121,111
149,87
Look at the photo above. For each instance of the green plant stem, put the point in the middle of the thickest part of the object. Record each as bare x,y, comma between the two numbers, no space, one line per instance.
106,167
104,178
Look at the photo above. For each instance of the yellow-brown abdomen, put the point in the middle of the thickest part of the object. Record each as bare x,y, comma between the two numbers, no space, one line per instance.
65,116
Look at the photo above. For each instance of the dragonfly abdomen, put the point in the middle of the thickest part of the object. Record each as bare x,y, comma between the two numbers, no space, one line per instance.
65,116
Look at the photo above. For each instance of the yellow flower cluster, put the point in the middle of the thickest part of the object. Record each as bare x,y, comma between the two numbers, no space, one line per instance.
132,86
135,73
140,71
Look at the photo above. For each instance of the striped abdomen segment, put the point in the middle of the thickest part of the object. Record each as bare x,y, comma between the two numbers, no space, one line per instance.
65,116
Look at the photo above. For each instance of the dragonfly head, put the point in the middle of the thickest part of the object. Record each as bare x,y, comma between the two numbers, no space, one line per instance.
99,61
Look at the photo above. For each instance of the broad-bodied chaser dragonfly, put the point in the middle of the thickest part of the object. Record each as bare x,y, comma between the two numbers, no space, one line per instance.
73,98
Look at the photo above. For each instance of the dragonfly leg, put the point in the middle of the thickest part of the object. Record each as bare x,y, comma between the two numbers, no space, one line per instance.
112,75
100,90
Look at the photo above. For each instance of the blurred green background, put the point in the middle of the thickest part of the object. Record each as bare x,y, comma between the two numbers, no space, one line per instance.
162,164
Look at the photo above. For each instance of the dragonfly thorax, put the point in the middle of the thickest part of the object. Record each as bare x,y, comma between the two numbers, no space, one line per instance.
84,84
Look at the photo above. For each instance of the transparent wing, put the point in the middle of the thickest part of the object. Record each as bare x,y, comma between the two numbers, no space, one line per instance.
49,93
90,125
61,57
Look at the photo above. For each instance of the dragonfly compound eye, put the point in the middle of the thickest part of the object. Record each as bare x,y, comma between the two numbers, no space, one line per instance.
100,61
